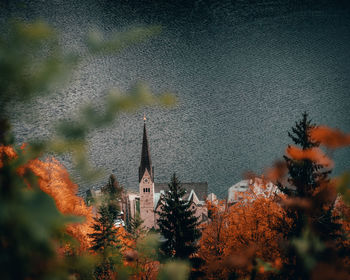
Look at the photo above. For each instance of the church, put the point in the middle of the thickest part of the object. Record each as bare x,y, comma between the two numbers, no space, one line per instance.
147,200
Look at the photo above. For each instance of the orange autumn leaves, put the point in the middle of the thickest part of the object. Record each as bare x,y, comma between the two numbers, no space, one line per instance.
314,154
54,180
236,237
330,138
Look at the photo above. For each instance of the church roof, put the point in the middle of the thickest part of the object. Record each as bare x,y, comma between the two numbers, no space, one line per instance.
200,189
145,163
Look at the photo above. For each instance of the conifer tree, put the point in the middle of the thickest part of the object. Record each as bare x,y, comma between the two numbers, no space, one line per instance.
305,178
136,228
105,237
177,223
304,175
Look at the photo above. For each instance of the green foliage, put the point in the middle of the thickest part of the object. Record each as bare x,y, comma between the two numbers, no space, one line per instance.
177,223
32,63
308,246
147,246
105,236
119,41
174,270
29,225
344,187
136,228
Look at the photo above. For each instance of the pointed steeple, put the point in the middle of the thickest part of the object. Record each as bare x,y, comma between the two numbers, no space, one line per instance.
146,163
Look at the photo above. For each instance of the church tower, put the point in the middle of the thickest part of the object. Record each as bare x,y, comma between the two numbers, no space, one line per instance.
146,183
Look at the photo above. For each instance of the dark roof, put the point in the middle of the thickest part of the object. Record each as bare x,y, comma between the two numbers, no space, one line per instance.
201,189
145,156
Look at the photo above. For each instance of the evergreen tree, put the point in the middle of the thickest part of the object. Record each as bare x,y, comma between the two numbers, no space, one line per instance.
305,178
105,237
177,223
304,175
136,228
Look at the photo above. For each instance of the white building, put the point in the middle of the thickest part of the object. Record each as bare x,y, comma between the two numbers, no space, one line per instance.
252,187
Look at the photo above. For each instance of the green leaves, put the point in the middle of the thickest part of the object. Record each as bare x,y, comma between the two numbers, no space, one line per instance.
31,61
309,247
99,45
174,270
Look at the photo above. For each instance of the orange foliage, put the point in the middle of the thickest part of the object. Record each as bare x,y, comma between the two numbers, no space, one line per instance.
8,152
314,154
277,172
125,239
331,138
343,210
54,179
234,238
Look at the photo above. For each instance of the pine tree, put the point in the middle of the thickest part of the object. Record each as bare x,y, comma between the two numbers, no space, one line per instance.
305,178
304,175
105,237
136,228
177,223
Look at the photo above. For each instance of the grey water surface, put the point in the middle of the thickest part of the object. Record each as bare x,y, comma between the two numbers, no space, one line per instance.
243,72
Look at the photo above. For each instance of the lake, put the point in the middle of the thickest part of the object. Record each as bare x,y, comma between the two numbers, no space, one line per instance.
243,74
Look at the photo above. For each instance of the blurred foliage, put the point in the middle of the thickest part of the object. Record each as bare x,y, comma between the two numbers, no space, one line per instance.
105,240
32,62
344,187
172,270
33,239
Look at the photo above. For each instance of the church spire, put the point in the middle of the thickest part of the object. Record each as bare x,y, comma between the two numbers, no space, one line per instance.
146,163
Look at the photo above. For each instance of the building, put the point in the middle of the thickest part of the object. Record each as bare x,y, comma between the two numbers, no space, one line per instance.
150,192
251,188
147,201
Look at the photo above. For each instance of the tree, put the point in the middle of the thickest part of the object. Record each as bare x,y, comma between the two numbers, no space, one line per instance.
311,201
136,228
304,175
237,238
177,223
32,64
105,236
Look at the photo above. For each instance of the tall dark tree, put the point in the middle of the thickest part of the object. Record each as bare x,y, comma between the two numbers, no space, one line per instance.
304,175
177,223
305,178
105,236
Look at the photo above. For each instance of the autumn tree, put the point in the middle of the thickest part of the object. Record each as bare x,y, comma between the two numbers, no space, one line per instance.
177,223
32,225
241,240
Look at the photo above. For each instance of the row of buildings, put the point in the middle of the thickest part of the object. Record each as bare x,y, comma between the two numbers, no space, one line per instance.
146,201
